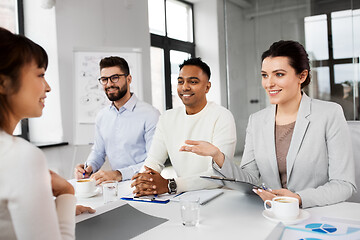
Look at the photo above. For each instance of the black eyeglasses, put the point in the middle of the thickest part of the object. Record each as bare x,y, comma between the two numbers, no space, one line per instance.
113,78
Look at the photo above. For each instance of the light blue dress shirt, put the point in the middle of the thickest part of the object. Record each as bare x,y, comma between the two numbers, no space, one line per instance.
124,136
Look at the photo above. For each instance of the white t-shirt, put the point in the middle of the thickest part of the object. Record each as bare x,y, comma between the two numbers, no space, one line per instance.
27,206
214,124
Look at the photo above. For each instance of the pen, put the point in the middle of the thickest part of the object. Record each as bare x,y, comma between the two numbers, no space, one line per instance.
85,166
212,198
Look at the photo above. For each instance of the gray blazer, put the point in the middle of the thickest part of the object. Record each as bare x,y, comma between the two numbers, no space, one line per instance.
320,165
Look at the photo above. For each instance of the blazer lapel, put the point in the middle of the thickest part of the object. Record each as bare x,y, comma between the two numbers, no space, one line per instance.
301,126
269,137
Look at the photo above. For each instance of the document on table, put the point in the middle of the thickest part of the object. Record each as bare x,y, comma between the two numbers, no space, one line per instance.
161,198
124,222
319,228
204,196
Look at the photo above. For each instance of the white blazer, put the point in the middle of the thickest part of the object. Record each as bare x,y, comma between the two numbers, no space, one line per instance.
320,164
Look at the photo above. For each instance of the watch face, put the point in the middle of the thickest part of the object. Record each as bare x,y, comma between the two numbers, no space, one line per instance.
173,186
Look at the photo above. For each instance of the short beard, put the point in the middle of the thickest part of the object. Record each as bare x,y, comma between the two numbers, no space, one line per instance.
119,95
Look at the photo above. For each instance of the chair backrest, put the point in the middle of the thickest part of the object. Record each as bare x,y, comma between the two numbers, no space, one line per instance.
354,127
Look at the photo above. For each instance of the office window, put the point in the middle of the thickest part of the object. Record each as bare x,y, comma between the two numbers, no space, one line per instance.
157,77
9,15
48,128
176,58
179,21
172,42
333,43
157,17
11,18
346,40
320,83
316,36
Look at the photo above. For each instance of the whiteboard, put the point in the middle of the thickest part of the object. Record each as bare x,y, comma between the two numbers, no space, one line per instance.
89,94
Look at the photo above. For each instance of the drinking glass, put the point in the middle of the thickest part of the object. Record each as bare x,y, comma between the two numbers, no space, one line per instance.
110,191
190,211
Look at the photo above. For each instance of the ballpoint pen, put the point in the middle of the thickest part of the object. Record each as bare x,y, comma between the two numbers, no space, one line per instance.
85,166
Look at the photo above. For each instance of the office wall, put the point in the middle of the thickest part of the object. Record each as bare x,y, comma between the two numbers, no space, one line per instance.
210,46
93,24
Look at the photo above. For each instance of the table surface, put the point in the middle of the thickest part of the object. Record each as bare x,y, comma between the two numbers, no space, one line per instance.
231,214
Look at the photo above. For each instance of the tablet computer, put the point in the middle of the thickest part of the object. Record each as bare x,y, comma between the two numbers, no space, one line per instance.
244,187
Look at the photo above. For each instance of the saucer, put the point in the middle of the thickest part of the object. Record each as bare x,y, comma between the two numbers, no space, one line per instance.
303,215
87,195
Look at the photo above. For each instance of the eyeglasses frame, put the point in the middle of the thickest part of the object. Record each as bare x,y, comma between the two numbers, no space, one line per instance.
107,78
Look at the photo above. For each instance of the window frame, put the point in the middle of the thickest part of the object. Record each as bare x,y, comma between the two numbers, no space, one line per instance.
24,122
331,61
322,7
167,44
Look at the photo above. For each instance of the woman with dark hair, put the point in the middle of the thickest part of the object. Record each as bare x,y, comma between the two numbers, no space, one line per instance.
27,191
298,146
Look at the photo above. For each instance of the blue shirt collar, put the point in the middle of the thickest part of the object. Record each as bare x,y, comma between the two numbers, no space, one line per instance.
129,105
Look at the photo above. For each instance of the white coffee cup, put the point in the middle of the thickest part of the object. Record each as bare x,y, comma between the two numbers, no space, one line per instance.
286,208
85,186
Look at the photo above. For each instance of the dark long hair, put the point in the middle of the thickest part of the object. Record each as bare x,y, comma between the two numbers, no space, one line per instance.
295,52
15,52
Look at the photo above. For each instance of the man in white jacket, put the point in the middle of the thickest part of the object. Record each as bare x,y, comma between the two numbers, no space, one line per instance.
197,122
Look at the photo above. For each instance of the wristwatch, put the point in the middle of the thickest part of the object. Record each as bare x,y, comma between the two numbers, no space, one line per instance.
172,187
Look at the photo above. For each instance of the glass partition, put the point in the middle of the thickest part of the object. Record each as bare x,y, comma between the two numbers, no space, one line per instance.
330,32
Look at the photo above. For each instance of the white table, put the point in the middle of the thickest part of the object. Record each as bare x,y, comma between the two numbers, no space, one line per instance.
231,214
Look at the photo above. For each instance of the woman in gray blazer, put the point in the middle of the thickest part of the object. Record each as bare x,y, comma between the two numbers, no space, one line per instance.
298,146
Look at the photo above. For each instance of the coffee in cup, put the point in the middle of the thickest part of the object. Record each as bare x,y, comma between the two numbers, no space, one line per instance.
286,208
282,200
85,186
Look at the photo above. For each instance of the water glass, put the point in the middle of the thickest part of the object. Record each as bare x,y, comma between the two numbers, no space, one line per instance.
110,191
190,211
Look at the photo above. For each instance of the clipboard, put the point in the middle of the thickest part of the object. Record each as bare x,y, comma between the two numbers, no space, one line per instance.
162,198
204,195
149,200
244,187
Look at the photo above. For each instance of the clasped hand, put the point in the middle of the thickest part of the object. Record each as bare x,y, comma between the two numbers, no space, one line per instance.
149,182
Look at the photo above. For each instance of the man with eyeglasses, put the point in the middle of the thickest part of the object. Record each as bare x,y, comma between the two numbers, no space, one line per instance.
182,132
124,130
